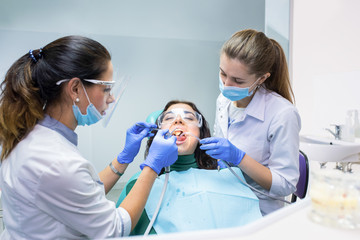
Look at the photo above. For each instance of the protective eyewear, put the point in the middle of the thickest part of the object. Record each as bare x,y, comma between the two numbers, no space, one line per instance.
167,118
116,91
93,81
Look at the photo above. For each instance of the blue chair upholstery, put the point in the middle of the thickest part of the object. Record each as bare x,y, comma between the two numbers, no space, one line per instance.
302,185
153,116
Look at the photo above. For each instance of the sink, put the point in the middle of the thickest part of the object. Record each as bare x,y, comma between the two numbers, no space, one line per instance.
323,149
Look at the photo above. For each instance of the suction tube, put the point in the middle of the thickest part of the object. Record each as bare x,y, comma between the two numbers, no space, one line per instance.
246,184
167,171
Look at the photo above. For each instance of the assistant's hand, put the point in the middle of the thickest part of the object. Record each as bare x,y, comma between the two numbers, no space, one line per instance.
162,153
134,135
222,148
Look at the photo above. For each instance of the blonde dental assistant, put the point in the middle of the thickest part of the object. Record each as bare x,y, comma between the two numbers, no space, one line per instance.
257,126
49,191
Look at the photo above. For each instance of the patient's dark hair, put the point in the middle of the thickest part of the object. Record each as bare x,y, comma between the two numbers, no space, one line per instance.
203,160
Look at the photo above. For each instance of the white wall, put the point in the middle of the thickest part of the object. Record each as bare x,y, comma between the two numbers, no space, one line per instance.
170,48
326,66
277,22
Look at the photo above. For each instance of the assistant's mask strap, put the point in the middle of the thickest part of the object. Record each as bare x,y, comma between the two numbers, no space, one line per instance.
251,93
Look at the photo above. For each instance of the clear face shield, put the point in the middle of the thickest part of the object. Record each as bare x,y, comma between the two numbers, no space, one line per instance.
169,117
117,91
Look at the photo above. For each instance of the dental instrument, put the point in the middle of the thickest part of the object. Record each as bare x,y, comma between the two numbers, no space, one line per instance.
251,187
141,125
157,129
190,134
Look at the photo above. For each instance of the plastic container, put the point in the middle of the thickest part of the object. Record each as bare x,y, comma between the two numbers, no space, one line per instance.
347,131
356,124
335,198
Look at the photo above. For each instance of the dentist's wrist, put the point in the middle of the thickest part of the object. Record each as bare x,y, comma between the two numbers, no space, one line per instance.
115,170
117,167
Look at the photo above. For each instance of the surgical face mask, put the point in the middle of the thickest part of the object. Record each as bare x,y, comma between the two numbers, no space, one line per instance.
235,93
92,114
167,118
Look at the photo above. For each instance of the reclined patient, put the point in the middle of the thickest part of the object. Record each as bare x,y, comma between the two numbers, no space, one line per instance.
197,197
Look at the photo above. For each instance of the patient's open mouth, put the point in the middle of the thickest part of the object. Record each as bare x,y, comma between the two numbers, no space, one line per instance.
179,134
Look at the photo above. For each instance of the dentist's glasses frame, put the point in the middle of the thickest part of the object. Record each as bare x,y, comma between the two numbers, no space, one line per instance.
93,81
167,118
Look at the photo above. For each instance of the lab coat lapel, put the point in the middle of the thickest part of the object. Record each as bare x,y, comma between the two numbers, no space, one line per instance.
224,116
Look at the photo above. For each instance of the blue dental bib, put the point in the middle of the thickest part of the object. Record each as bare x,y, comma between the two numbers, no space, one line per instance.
199,199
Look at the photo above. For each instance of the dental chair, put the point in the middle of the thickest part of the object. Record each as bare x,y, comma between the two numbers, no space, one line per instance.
153,116
302,185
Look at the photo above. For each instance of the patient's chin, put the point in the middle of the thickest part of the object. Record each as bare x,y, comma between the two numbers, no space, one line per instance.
185,149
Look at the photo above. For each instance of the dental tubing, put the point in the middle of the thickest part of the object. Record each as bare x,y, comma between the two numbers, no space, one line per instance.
167,170
251,187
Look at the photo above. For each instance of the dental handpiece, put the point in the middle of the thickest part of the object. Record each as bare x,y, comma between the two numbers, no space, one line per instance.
169,134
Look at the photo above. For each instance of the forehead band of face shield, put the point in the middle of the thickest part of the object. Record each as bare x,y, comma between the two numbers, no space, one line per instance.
168,117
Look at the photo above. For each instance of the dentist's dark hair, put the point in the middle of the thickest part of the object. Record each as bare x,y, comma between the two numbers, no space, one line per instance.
203,160
261,55
30,83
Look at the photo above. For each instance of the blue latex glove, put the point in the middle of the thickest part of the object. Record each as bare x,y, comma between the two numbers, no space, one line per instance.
162,153
222,148
134,136
221,164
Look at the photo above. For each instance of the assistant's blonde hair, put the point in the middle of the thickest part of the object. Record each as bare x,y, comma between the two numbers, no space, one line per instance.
261,55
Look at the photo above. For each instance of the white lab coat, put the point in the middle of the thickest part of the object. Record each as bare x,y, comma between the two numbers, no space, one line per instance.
49,191
269,133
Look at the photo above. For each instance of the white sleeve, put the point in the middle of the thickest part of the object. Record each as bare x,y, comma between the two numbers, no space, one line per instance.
72,193
126,220
284,148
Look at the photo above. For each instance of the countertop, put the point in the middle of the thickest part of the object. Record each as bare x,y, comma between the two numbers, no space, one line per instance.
291,222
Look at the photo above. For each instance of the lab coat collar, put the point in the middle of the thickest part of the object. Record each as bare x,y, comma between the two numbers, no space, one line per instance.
57,126
256,107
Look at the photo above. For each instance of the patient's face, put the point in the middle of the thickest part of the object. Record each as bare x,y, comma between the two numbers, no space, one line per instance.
186,143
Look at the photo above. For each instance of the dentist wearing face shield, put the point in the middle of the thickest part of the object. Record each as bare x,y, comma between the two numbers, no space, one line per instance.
49,191
257,126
